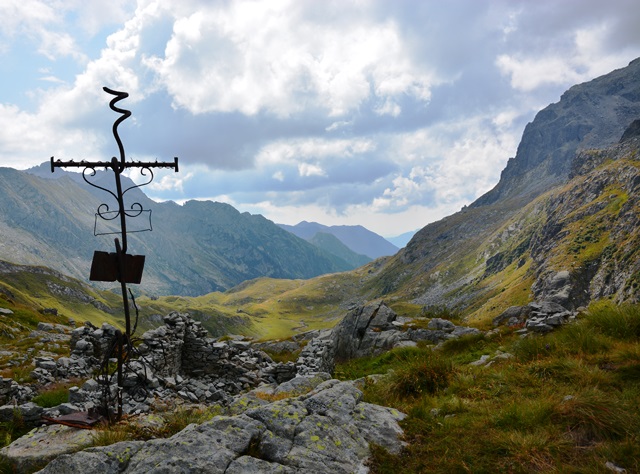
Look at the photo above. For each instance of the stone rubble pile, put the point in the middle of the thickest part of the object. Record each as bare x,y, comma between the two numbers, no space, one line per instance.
178,360
538,317
318,355
88,347
12,392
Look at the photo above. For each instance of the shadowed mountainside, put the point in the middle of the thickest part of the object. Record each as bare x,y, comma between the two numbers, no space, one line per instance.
194,249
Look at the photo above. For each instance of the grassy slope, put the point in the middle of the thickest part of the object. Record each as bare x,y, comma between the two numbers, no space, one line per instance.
269,308
33,290
565,402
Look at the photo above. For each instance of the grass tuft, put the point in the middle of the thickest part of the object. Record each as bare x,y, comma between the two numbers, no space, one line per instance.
620,322
594,416
427,375
53,396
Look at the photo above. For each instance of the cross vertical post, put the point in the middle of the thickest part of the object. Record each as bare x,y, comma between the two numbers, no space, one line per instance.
120,265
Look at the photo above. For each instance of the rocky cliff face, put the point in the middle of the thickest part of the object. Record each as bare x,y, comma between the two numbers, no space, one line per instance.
592,229
561,224
590,115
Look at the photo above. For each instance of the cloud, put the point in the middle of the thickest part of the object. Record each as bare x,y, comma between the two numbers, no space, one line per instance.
382,113
271,56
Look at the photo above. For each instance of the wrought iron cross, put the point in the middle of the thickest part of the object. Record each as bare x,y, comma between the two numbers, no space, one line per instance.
120,265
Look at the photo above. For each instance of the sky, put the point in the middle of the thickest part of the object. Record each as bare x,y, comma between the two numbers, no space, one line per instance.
385,113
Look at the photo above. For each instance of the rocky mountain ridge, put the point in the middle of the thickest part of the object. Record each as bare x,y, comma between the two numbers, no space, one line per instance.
590,115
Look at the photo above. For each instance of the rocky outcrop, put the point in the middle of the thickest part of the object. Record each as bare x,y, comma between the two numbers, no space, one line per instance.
588,246
370,330
328,429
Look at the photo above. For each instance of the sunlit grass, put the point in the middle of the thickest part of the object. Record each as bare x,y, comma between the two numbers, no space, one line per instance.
568,401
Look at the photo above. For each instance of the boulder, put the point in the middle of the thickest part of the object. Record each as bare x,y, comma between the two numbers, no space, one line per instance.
365,330
513,316
371,330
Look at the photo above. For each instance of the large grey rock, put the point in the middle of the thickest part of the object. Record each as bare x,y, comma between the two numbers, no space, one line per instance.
512,316
251,465
363,332
209,447
372,330
539,316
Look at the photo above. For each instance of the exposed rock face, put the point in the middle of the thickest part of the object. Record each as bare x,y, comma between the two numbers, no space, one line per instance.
326,430
365,331
590,115
588,246
41,445
632,131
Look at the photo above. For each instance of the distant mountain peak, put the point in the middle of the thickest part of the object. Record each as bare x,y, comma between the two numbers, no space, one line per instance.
356,237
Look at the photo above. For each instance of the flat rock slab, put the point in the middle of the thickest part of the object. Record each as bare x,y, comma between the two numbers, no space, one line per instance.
327,429
43,444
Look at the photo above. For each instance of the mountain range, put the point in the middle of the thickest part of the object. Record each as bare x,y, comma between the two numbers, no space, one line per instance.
561,225
202,246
